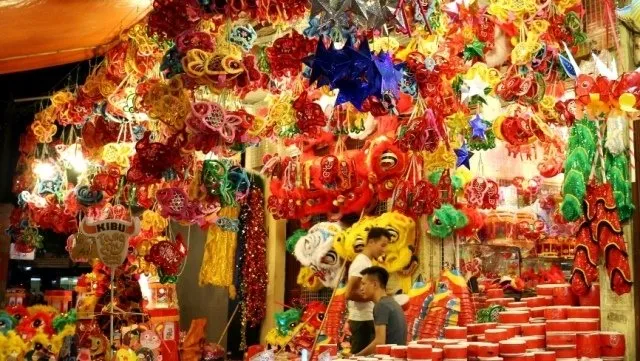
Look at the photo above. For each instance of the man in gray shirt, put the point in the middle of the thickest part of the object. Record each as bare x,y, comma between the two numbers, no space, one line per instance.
388,317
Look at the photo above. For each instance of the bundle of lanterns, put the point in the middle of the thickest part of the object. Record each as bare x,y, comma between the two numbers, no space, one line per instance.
361,114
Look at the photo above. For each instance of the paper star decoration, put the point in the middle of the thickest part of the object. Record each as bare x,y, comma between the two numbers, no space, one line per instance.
478,127
351,70
473,50
391,75
464,156
473,87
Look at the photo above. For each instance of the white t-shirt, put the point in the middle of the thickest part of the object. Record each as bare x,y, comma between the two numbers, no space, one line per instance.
360,311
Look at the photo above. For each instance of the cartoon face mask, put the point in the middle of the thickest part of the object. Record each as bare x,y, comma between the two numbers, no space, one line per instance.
403,234
352,240
315,250
287,320
7,322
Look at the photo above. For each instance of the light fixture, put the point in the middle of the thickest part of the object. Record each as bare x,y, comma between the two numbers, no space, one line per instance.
27,268
73,158
44,170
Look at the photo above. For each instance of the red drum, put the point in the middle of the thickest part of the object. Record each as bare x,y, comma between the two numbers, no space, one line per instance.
545,290
566,352
555,313
383,349
588,345
562,295
487,349
545,356
592,298
496,335
583,312
514,330
399,352
455,352
455,333
533,329
561,339
612,344
560,326
586,325
419,352
436,354
512,347
513,316
534,342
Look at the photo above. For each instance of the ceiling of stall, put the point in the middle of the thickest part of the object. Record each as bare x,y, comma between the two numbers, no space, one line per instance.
42,33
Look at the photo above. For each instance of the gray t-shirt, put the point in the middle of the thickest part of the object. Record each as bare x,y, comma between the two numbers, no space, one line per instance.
388,312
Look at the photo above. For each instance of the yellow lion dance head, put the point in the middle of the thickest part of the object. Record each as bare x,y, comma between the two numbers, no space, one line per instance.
397,255
351,241
403,234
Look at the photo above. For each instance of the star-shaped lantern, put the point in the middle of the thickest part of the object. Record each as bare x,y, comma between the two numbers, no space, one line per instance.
478,127
464,156
473,87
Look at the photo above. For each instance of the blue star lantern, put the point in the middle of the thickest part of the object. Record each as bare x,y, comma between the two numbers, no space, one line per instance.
478,127
464,156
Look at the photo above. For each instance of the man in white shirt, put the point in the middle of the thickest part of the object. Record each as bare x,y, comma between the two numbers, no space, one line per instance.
361,308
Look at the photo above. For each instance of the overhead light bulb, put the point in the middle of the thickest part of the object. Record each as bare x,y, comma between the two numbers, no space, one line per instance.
73,158
44,170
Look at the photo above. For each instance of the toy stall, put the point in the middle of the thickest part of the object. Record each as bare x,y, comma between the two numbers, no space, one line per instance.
493,139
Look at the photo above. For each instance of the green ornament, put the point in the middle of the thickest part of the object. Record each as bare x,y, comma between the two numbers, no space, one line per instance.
64,319
294,238
445,220
571,208
578,160
479,144
474,50
574,184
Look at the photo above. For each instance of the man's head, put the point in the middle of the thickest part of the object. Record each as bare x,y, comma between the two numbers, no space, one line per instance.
374,280
377,241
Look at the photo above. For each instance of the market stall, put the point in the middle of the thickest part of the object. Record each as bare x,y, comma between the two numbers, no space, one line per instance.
493,141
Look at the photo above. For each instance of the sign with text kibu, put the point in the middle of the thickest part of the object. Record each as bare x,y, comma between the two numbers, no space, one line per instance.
111,237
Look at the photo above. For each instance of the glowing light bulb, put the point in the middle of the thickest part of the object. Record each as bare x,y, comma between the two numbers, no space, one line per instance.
74,159
44,170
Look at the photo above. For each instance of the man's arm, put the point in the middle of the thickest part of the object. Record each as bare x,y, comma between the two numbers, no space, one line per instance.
353,290
380,339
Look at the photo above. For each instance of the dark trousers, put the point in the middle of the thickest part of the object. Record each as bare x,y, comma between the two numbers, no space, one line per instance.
362,333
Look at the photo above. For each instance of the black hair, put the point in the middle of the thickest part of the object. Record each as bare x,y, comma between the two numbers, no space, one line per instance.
379,273
377,233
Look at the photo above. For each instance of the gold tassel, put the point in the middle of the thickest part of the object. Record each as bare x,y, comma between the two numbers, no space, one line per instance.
218,262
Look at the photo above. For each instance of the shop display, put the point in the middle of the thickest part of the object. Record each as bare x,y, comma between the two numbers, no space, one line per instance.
466,129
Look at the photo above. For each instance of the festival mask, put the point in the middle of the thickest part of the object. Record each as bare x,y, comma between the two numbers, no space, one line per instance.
352,240
445,220
287,320
316,250
7,322
403,234
314,314
386,163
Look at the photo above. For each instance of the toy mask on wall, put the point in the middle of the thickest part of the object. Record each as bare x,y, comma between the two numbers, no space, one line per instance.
403,234
352,240
287,320
386,163
316,250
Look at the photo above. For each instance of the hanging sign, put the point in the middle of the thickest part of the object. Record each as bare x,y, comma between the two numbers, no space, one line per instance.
111,237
